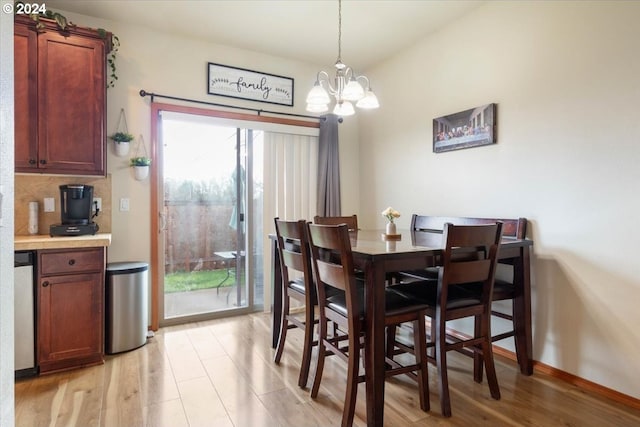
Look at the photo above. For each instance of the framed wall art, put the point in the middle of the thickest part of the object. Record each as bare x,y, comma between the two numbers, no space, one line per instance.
466,129
252,85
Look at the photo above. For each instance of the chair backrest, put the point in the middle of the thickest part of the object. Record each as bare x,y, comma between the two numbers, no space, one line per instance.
351,221
293,247
470,255
513,228
333,263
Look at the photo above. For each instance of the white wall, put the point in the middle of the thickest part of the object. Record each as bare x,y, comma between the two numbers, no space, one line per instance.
565,76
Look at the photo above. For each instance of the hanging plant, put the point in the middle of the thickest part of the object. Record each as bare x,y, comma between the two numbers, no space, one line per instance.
121,138
140,161
60,19
111,56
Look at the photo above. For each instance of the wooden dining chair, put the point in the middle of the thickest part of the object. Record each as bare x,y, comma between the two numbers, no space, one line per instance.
423,228
297,283
333,265
463,289
351,221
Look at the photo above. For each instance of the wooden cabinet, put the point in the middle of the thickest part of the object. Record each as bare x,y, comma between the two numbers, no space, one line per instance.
70,313
60,99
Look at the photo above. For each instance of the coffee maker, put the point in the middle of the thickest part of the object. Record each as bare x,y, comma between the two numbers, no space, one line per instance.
76,203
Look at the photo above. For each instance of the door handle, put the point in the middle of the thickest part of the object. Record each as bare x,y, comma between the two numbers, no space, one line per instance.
163,222
45,283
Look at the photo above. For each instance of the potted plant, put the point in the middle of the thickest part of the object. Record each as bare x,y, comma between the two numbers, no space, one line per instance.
140,167
122,141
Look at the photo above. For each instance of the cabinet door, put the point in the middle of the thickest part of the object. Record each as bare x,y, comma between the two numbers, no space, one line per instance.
71,104
70,321
26,102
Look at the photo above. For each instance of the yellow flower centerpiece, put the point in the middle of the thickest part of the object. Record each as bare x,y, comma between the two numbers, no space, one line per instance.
391,214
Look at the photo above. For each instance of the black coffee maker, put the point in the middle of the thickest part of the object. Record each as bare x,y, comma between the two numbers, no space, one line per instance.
76,205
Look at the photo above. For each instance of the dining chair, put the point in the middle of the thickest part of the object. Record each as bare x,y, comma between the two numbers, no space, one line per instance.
333,265
351,221
463,289
297,283
422,229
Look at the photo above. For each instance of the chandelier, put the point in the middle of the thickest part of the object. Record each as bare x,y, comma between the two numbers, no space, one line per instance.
346,87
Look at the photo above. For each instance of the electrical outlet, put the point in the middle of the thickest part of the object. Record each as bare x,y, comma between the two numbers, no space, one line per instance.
49,204
124,205
97,203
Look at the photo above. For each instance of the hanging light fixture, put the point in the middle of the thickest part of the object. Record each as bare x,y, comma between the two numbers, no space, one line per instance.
346,87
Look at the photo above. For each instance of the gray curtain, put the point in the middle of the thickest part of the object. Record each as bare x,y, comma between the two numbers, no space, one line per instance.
328,167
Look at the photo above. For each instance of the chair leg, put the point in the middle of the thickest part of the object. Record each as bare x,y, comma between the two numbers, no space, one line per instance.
477,356
441,363
284,327
391,339
322,353
353,369
420,346
487,351
307,347
433,337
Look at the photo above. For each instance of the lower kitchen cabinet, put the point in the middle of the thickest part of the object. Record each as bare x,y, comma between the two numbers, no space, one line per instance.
70,305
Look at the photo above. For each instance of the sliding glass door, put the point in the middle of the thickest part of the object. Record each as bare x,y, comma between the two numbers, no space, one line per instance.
204,217
219,180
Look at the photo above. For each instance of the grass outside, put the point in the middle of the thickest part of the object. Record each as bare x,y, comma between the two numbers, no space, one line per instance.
182,282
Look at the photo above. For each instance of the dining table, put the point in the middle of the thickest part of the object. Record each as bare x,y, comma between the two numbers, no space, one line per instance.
378,255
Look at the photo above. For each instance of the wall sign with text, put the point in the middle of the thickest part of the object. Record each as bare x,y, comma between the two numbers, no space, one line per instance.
247,84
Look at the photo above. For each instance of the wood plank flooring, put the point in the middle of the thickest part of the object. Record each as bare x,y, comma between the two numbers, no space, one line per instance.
221,373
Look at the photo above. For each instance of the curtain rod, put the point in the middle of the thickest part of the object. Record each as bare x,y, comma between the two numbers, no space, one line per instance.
144,93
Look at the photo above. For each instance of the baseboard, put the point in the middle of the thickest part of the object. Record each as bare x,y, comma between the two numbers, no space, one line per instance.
585,384
565,376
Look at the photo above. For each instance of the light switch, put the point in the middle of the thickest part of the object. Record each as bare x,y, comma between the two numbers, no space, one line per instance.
49,204
124,205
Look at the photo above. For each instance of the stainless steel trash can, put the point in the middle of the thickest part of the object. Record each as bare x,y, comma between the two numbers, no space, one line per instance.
127,306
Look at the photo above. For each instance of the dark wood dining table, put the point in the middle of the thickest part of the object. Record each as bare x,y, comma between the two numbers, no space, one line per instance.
377,256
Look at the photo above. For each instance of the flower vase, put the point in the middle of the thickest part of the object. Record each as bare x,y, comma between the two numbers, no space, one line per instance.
391,228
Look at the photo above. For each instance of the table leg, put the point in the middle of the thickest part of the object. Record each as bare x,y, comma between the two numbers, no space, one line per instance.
522,312
374,343
276,291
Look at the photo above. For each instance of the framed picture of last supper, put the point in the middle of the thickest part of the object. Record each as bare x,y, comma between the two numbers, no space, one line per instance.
466,129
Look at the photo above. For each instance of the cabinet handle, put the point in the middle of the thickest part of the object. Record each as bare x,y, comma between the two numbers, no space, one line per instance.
43,162
72,261
45,284
32,161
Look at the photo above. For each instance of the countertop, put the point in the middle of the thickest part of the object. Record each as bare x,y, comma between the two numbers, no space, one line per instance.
44,241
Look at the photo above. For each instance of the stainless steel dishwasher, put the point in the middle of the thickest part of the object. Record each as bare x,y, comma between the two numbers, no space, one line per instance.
24,314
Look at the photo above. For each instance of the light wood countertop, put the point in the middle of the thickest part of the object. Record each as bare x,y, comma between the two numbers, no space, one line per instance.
44,241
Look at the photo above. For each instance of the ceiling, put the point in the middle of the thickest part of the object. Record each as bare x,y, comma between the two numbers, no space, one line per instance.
307,30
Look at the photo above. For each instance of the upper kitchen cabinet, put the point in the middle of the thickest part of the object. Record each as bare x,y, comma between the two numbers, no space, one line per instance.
60,99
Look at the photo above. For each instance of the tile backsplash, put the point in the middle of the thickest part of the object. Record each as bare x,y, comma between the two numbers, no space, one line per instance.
34,188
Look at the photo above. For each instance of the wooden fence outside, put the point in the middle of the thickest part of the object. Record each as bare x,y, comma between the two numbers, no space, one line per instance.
195,231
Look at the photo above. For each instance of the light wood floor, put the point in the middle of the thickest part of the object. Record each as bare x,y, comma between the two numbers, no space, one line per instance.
220,373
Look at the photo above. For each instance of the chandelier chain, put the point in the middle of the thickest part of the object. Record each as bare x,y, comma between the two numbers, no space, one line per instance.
339,30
